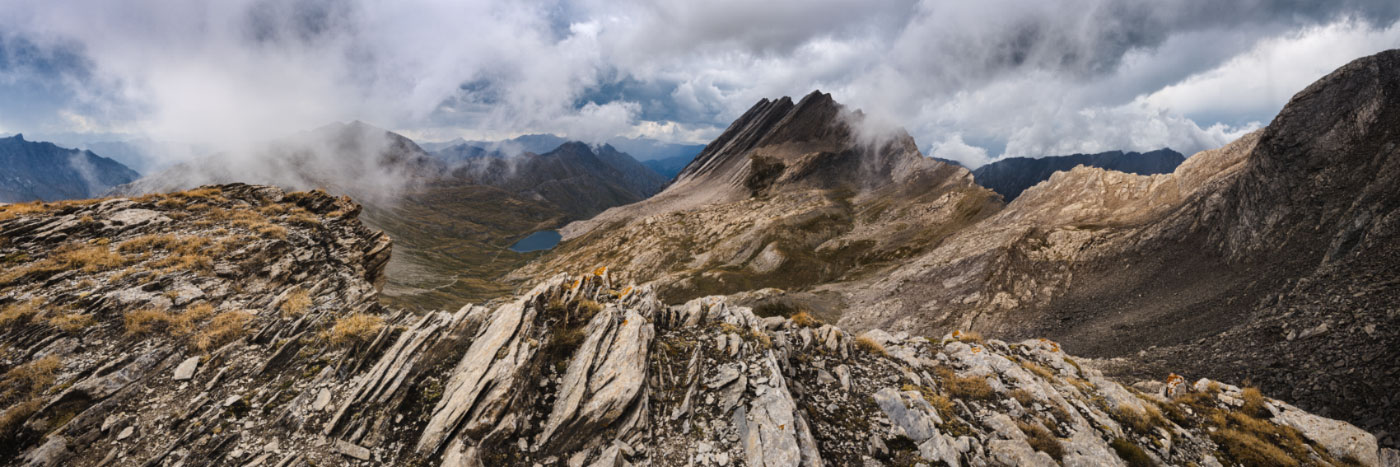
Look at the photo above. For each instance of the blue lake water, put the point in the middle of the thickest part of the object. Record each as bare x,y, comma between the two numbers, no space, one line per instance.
542,240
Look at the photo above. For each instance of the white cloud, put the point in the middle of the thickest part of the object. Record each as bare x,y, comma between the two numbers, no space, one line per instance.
1261,80
979,79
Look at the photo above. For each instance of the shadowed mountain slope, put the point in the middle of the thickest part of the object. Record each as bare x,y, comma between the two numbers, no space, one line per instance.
1009,177
31,171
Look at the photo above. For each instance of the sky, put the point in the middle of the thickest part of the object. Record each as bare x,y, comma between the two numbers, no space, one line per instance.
970,81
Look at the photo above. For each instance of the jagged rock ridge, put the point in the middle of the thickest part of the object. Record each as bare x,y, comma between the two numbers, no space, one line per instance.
787,196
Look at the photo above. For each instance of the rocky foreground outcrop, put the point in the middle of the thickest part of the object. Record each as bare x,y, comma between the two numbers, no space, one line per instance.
238,325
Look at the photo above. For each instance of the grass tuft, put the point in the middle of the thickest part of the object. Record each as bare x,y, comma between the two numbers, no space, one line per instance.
805,319
224,328
871,346
297,303
1131,453
20,313
1041,440
355,329
965,387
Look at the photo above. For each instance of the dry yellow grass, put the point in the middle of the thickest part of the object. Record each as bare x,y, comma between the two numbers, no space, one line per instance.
354,329
71,322
21,312
271,231
1024,397
274,209
965,387
1253,402
212,193
30,378
11,211
297,303
941,403
870,345
145,321
168,242
968,336
196,262
224,328
805,320
303,218
20,391
92,258
149,320
15,415
1042,440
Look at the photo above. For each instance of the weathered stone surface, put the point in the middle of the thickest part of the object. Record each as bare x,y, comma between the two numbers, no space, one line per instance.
1339,438
186,369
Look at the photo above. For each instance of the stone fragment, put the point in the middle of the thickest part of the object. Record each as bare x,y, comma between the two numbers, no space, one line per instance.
186,369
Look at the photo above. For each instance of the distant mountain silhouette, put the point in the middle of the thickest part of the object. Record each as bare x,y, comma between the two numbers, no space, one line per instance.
1009,177
32,171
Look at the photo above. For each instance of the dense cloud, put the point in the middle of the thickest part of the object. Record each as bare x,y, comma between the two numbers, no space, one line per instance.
971,81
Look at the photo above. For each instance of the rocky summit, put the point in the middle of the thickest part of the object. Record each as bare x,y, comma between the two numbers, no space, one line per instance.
238,324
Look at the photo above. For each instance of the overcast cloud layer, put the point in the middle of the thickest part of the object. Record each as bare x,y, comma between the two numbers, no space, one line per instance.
972,81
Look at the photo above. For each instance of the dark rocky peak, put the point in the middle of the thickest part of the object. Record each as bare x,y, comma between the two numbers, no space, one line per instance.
741,136
816,117
1325,170
814,143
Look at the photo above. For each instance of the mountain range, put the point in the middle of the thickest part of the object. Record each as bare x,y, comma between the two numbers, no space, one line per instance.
1231,265
452,212
795,296
642,149
1009,177
39,171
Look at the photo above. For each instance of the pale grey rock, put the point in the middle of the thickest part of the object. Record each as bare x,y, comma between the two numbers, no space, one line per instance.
186,369
1340,438
323,399
1017,453
353,450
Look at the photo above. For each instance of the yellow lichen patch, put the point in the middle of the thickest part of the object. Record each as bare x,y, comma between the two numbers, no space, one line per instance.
600,271
354,329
